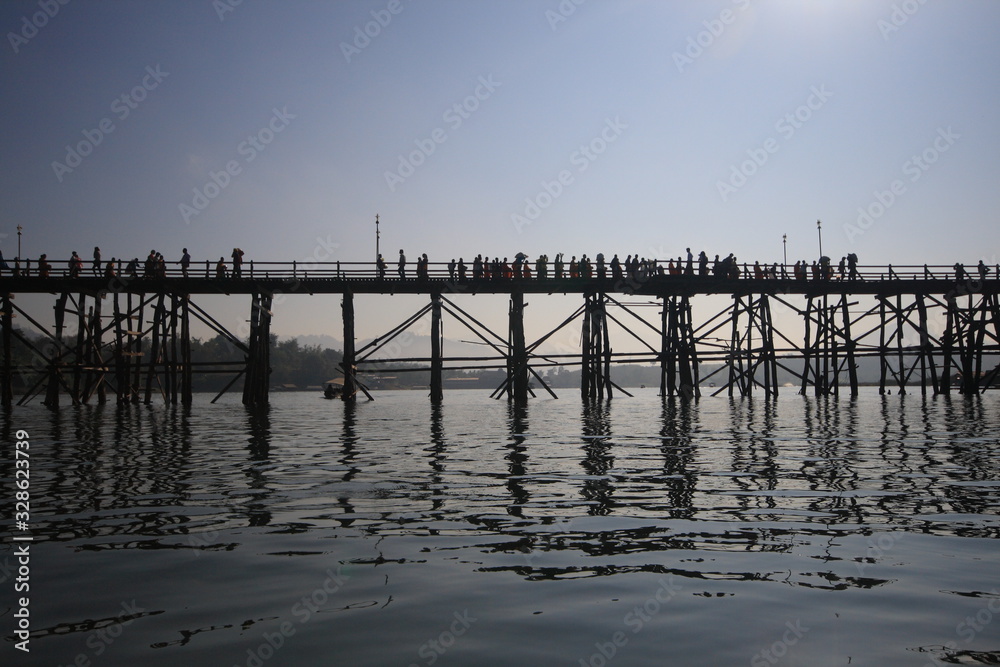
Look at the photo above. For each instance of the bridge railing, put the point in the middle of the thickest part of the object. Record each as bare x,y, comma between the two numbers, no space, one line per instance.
310,270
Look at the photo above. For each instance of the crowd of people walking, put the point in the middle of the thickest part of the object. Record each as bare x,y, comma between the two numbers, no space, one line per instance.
632,268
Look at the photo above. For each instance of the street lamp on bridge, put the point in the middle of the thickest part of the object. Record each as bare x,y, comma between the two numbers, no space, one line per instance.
819,230
377,253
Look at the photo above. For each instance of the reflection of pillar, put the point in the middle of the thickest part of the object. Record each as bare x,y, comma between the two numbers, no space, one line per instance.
518,363
436,390
349,354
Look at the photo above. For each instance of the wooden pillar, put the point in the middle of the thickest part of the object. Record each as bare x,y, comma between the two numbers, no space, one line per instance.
605,346
734,347
926,350
52,390
850,344
348,363
154,349
186,370
81,341
946,345
437,392
518,353
807,347
666,379
174,366
120,354
258,370
137,347
97,341
689,353
586,380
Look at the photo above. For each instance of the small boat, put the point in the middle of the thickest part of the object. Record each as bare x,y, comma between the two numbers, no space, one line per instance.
333,391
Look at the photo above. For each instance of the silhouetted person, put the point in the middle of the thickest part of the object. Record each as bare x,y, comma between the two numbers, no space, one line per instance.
689,268
461,269
616,268
237,262
109,269
452,266
852,267
43,266
401,266
97,261
983,269
702,264
477,268
133,268
380,266
75,265
960,273
220,268
185,263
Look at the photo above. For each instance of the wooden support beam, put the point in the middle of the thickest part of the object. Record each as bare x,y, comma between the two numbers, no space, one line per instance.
518,355
437,392
349,362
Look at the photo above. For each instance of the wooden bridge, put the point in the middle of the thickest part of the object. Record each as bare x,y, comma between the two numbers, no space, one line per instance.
133,340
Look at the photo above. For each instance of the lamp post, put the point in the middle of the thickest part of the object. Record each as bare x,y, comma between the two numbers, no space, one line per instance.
377,253
819,230
784,249
17,261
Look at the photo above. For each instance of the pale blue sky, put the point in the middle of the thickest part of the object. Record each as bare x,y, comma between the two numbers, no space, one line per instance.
612,75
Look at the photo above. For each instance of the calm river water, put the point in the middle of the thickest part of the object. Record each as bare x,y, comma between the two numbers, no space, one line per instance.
639,531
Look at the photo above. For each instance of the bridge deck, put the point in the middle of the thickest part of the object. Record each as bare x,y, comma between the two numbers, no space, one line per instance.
874,281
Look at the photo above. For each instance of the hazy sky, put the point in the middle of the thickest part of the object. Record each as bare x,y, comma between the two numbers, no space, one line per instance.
496,127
